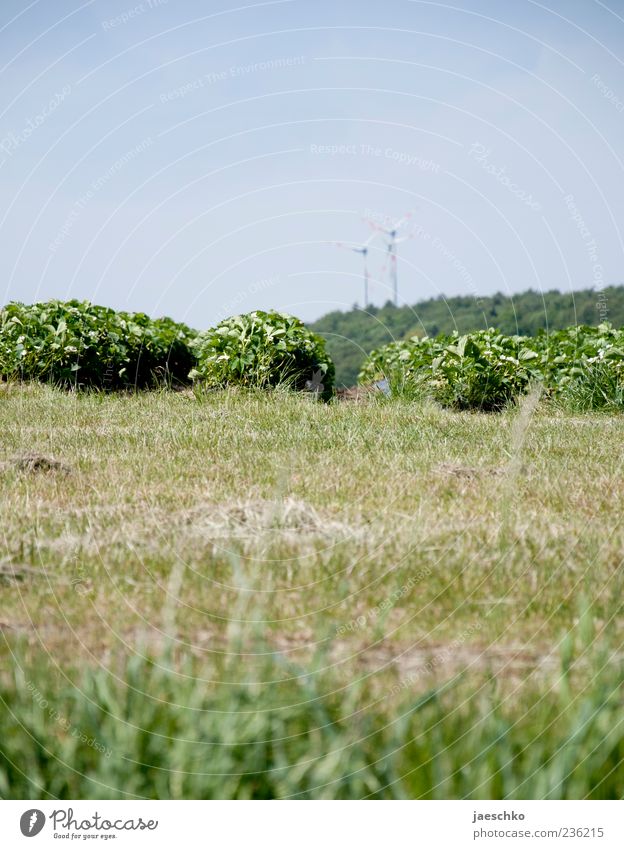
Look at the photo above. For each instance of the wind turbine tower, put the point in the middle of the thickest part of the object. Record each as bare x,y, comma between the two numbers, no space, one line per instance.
363,250
393,238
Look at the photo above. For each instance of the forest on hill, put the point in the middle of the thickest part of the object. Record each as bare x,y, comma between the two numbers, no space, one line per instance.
352,335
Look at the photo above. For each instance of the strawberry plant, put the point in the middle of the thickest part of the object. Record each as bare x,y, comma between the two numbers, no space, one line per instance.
263,349
482,371
580,367
405,364
584,366
76,343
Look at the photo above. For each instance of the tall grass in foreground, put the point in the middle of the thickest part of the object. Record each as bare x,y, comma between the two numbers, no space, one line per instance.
157,733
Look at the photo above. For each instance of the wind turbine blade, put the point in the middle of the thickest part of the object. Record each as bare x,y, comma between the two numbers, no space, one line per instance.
403,220
377,228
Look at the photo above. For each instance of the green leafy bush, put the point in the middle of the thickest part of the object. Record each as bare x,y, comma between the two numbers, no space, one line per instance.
581,368
480,371
76,343
405,364
263,349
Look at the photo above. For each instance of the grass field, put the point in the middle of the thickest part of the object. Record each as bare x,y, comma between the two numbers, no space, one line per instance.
241,595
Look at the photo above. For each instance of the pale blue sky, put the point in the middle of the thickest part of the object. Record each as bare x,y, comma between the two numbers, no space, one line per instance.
176,157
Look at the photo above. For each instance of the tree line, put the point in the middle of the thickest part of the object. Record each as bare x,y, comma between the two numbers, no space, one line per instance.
352,335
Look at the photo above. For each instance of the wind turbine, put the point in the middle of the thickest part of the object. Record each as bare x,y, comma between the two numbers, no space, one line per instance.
363,250
393,238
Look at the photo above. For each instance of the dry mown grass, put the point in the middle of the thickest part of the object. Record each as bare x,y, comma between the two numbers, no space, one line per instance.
306,517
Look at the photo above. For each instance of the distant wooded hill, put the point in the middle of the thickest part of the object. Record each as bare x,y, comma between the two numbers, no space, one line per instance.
352,335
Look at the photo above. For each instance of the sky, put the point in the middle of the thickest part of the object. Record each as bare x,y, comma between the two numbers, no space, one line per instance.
201,159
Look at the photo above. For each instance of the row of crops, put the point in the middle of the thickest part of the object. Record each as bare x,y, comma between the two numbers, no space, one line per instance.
79,344
581,367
